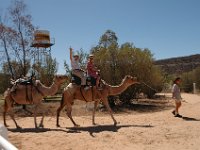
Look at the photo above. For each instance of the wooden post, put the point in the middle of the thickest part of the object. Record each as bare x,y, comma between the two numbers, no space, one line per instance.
194,88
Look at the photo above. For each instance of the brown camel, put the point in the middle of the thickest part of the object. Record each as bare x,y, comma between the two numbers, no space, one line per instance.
72,92
30,94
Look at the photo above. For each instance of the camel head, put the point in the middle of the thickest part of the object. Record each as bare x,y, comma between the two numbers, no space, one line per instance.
130,80
59,79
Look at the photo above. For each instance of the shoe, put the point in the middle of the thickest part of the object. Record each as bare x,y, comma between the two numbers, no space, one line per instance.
177,115
173,112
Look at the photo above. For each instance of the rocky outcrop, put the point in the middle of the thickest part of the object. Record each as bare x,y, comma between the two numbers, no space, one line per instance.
179,64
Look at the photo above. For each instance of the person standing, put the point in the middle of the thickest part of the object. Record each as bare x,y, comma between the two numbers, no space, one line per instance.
176,95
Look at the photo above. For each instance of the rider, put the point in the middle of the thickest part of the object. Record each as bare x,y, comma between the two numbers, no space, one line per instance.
76,69
92,70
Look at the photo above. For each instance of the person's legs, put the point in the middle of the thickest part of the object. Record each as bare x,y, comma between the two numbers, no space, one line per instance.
81,75
178,105
97,82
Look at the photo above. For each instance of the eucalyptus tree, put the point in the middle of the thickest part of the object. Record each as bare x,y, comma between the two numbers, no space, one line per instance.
21,22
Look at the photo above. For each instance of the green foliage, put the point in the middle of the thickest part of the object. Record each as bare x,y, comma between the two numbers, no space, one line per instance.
83,56
16,69
47,71
67,69
189,78
196,77
117,61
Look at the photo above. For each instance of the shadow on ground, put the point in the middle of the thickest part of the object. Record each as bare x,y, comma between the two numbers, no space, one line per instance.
90,129
34,130
101,128
190,119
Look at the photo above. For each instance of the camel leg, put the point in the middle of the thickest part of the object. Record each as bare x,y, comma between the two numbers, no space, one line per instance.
69,114
13,118
8,106
6,109
35,119
58,114
94,110
62,104
42,120
4,119
105,102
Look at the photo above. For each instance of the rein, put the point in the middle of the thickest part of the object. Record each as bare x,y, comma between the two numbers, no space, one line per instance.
84,96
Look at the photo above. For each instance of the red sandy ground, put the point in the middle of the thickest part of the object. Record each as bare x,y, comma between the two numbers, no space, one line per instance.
149,130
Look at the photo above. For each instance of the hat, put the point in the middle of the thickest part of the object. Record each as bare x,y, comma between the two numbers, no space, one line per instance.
91,55
76,54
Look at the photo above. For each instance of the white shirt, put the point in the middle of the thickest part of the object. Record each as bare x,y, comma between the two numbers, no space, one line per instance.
176,93
75,64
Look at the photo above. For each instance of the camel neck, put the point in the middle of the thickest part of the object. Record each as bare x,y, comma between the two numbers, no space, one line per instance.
116,90
50,90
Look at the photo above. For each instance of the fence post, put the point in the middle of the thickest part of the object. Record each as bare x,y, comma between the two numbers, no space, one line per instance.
194,88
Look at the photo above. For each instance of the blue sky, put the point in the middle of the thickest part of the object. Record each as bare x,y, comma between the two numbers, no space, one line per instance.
169,28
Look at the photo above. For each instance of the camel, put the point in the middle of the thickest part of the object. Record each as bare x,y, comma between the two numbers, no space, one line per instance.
30,94
72,92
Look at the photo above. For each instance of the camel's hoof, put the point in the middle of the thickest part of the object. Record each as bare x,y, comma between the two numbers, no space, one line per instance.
115,123
95,124
6,125
58,125
18,127
76,125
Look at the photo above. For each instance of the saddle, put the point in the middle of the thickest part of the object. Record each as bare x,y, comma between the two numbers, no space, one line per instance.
90,81
22,81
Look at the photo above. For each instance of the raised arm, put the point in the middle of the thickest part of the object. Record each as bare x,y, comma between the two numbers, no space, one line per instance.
71,53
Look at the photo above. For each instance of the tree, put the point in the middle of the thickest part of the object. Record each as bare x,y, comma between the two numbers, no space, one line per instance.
48,70
116,61
24,29
6,36
16,35
107,39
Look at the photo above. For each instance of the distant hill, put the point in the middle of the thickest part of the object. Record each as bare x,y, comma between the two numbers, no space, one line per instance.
179,64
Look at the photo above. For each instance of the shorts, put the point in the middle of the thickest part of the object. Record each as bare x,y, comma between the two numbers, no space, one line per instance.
177,100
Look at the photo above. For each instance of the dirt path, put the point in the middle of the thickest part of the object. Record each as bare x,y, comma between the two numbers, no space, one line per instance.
141,131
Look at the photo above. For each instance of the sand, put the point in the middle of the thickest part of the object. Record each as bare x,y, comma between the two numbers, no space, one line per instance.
150,130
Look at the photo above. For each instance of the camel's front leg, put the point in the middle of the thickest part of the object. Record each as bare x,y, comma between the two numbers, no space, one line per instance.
35,119
8,106
94,110
58,114
4,119
13,118
69,114
42,120
105,102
